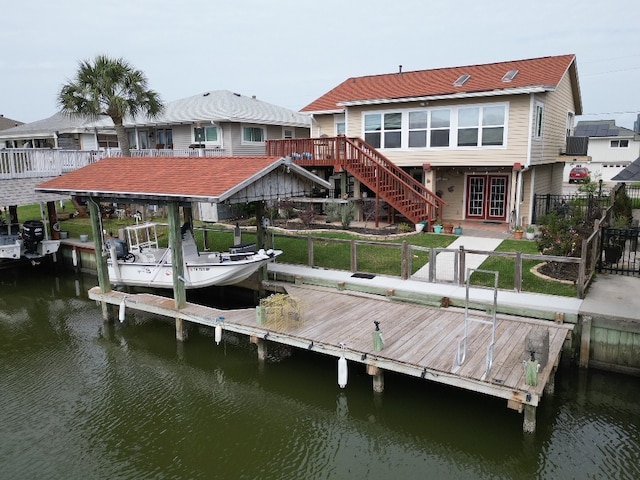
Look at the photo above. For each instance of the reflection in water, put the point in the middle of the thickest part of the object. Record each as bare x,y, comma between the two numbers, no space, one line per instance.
81,399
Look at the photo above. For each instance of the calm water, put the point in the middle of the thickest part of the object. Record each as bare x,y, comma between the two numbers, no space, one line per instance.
81,400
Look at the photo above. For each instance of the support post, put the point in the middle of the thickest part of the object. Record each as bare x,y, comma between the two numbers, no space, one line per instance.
177,260
53,220
101,260
550,387
181,330
262,347
529,424
378,378
585,341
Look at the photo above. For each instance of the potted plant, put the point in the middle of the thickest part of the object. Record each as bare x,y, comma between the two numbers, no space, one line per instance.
447,227
530,232
458,230
518,231
437,226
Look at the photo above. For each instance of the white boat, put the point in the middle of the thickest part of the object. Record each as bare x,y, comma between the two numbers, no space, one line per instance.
139,261
29,242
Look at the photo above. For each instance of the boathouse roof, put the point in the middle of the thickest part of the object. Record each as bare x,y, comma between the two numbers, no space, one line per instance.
202,179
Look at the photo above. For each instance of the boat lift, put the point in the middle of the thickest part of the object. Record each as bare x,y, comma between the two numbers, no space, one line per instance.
462,344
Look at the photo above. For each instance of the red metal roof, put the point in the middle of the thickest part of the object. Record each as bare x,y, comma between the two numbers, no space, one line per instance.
544,71
161,176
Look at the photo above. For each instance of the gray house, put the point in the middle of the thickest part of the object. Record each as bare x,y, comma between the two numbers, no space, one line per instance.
227,123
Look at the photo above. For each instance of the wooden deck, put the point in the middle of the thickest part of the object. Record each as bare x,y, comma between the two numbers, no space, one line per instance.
419,341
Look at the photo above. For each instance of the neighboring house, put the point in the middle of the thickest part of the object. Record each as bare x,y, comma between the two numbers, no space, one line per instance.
221,120
61,131
8,123
484,138
611,148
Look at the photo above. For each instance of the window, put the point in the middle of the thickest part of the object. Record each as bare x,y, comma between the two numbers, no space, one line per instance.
340,124
429,128
288,133
440,126
164,138
481,126
211,134
131,137
252,135
383,130
619,143
538,121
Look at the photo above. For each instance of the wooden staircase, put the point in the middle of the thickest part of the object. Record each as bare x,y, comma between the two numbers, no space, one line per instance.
388,181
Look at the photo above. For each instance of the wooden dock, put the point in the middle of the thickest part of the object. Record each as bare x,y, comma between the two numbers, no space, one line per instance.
421,341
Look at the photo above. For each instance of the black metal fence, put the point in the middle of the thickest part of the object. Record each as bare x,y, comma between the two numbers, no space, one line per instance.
591,206
620,251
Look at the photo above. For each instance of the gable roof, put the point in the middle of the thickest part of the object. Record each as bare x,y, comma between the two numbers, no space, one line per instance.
201,179
601,128
537,74
58,122
8,123
224,106
631,173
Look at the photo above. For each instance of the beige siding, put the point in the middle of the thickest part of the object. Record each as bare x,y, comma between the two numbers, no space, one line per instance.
323,125
514,151
557,105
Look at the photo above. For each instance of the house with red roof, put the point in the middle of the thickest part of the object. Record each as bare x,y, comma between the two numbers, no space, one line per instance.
476,142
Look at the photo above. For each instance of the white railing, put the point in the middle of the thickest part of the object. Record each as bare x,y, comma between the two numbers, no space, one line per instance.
46,162
174,152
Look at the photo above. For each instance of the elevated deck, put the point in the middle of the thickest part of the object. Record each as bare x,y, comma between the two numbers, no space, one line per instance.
420,341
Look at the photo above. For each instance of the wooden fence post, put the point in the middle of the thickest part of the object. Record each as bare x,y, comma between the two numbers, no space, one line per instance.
517,274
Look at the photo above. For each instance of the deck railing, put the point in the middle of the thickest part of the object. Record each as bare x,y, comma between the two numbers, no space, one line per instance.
33,163
18,163
388,181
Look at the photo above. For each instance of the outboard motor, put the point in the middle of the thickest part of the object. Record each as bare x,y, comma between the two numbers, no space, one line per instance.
121,247
32,235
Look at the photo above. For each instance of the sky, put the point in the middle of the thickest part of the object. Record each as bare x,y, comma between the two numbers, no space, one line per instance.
290,52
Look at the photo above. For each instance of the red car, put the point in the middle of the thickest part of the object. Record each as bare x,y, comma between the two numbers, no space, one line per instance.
579,174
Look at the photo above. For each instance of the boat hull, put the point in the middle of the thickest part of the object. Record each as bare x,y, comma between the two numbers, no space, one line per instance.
197,274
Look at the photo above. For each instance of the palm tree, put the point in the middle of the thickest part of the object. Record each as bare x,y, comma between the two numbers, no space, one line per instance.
109,87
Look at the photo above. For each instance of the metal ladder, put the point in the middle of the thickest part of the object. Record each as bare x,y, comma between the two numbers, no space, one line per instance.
462,344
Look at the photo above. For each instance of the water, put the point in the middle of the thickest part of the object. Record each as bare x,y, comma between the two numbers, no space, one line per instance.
79,399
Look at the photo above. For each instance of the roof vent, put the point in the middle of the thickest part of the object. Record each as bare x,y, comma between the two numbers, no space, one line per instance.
206,94
510,75
462,79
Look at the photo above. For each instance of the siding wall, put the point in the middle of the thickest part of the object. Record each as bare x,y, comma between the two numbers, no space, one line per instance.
182,136
557,105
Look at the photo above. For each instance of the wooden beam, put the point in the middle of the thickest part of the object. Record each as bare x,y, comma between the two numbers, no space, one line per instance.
177,260
585,341
101,260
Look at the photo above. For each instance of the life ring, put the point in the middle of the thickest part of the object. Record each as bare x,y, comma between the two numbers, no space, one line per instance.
56,227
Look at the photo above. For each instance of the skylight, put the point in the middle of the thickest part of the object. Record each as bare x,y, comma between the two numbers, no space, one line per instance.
510,75
462,79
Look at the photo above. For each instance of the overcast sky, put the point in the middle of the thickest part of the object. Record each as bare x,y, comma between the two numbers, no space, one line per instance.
289,52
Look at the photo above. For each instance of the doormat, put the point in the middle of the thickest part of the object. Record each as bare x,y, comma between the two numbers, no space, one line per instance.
363,275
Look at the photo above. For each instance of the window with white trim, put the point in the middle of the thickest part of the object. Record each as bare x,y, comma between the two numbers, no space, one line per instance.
481,126
537,132
429,128
383,130
340,125
288,133
619,143
252,134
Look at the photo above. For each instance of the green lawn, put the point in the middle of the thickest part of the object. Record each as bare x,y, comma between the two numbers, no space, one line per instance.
370,258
